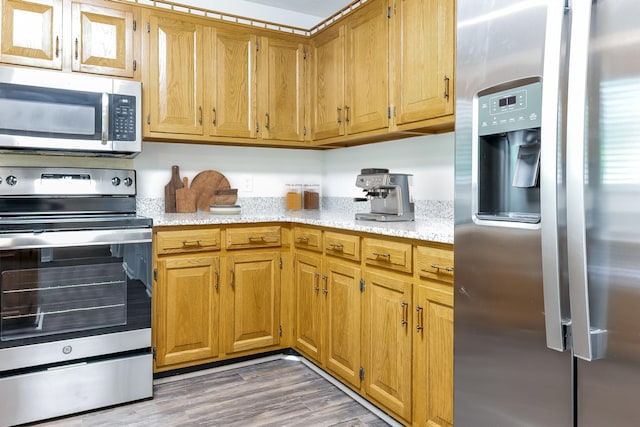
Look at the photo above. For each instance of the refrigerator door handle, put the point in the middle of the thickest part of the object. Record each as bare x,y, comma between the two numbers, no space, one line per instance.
555,330
588,343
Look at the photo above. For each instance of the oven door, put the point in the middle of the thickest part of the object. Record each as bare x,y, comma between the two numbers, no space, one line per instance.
66,285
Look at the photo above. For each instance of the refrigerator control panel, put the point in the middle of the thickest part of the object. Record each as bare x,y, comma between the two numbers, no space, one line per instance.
509,110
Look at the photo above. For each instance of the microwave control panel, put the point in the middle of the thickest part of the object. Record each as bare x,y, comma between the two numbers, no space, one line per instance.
122,118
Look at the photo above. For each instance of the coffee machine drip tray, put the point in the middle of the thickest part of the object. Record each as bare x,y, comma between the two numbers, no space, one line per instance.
381,217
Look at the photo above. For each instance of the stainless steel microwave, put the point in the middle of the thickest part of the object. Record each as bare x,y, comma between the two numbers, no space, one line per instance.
68,113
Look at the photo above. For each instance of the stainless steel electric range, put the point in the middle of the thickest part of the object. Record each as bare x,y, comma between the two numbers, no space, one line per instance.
75,292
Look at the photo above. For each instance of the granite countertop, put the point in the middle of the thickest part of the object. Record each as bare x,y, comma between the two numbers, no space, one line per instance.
429,229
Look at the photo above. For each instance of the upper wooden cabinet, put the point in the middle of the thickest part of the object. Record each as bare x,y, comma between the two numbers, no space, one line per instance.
89,37
350,78
230,92
281,89
32,33
174,76
422,61
219,82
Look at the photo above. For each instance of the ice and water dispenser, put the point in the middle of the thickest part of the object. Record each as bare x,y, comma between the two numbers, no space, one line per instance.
508,154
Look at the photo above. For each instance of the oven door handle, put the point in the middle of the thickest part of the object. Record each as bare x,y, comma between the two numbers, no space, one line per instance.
66,238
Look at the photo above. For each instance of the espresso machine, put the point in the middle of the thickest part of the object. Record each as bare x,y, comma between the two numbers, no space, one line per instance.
390,195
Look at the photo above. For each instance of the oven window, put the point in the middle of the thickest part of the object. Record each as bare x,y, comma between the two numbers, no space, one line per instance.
51,291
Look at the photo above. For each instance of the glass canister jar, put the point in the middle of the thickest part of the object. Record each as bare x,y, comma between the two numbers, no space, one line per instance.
311,196
293,197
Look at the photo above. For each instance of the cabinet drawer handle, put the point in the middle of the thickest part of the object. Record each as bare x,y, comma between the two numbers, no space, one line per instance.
217,284
266,123
256,239
346,114
233,279
215,117
76,52
303,239
439,267
419,326
405,314
325,290
57,46
382,255
191,243
200,110
336,247
339,111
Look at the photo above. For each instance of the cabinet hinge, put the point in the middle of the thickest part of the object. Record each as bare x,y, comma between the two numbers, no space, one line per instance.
135,65
149,118
148,27
362,285
280,330
389,12
135,25
361,373
153,351
155,274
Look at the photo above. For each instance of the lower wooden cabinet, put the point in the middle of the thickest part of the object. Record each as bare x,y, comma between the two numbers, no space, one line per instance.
251,301
386,341
433,356
187,306
309,296
342,314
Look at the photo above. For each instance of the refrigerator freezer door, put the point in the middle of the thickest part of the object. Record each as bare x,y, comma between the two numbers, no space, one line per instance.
504,374
608,388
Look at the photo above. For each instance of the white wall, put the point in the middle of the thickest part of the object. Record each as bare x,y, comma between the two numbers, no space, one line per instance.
429,158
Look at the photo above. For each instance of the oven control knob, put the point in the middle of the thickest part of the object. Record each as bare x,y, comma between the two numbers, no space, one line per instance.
12,180
115,181
128,181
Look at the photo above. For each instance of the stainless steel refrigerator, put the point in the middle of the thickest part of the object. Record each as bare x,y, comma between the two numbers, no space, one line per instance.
547,213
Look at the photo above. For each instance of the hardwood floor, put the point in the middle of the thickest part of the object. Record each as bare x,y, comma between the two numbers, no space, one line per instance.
278,392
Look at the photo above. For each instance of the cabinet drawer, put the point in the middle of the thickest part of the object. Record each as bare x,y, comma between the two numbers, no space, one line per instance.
307,238
434,263
186,241
342,245
253,237
385,254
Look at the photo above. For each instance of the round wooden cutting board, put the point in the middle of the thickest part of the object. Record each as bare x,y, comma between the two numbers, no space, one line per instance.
205,184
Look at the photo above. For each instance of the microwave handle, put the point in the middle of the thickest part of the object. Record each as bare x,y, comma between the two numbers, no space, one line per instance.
105,118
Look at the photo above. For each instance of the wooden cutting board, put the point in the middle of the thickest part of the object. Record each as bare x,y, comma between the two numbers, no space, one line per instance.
205,184
185,198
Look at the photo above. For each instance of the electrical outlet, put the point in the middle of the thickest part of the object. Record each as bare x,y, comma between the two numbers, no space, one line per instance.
246,183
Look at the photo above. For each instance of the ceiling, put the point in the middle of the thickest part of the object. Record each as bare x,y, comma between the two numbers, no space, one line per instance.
320,8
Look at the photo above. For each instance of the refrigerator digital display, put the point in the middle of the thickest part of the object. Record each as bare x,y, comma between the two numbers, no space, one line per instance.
509,100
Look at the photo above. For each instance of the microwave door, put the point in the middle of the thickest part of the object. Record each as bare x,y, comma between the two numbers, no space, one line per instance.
51,118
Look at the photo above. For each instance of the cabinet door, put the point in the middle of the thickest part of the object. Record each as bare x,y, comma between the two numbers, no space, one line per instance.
328,84
281,84
367,69
341,290
424,57
32,33
186,307
308,309
102,40
252,301
433,357
231,88
175,76
387,341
